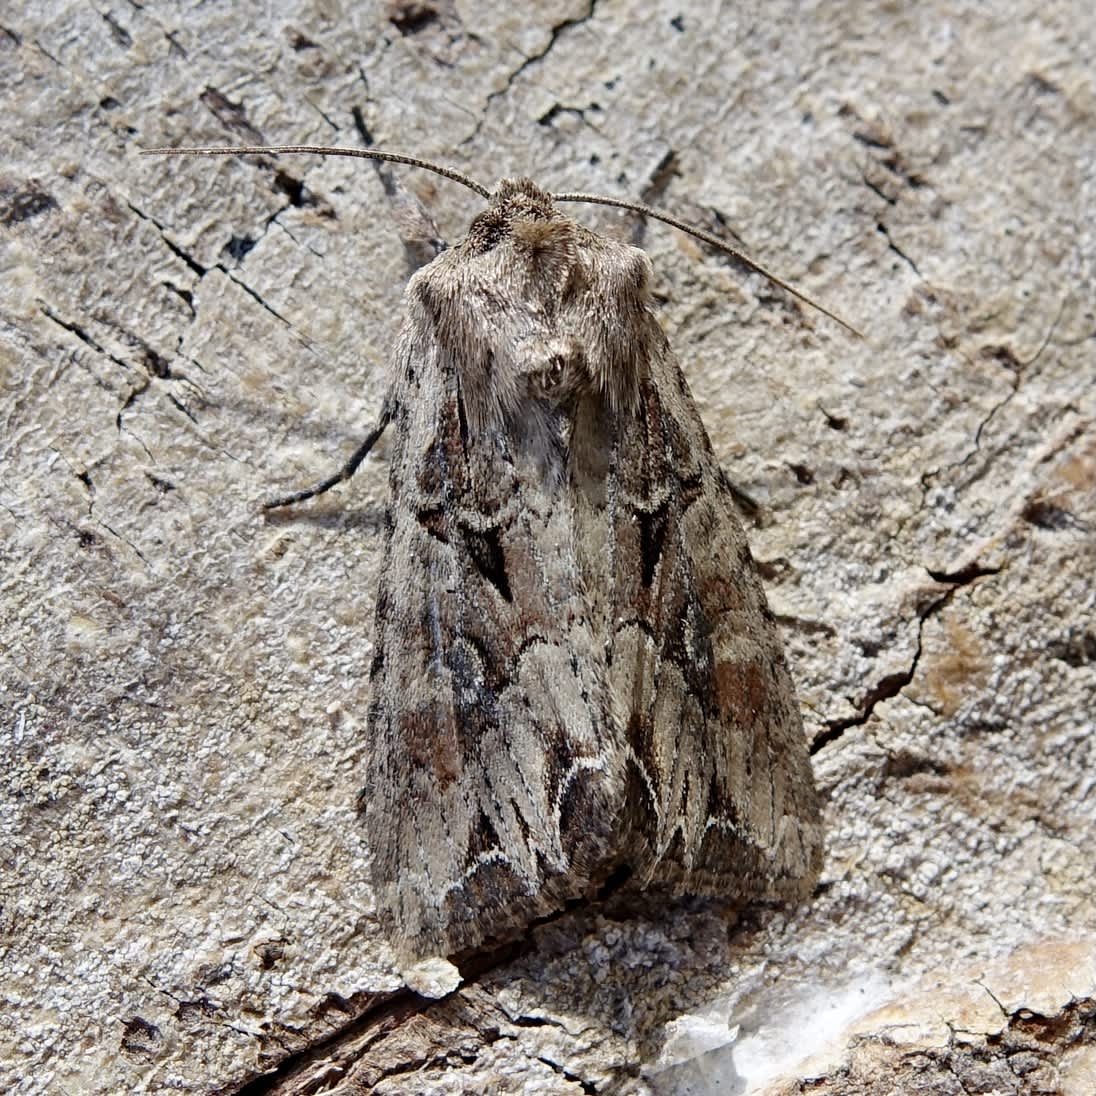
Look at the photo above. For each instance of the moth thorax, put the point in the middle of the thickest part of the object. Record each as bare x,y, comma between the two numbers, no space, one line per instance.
554,369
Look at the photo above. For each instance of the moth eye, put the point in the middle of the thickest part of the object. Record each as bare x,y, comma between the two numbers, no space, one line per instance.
556,368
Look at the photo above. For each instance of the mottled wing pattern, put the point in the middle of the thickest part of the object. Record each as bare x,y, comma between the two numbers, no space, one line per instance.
575,667
489,797
720,795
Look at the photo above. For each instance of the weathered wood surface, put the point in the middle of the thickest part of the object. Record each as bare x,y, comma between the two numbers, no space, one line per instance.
183,890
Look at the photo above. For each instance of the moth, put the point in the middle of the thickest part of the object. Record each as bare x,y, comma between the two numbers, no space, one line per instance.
576,677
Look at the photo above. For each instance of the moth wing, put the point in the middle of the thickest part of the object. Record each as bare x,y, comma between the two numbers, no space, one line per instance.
720,795
492,783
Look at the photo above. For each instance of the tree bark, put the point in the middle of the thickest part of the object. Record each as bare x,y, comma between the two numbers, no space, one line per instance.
184,898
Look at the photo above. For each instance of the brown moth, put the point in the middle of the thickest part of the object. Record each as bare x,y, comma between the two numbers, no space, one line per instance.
575,674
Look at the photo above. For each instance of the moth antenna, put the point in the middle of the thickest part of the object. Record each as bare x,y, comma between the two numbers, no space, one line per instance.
325,150
485,193
708,238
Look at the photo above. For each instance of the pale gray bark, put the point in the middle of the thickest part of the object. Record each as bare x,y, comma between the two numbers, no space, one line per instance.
183,891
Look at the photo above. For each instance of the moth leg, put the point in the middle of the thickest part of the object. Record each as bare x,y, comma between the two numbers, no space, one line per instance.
388,410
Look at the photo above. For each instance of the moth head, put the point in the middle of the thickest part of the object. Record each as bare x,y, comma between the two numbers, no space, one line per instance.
535,309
